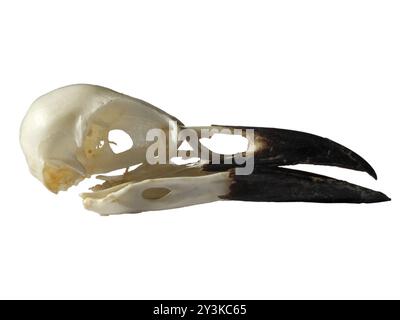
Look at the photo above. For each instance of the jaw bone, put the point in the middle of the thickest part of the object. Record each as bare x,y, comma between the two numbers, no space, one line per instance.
64,137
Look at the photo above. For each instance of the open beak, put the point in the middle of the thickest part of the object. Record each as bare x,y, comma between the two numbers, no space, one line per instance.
274,148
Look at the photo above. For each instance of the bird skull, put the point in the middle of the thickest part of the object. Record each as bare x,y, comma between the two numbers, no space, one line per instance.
65,139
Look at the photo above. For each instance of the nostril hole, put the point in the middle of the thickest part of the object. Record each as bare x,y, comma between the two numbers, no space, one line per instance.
155,193
119,141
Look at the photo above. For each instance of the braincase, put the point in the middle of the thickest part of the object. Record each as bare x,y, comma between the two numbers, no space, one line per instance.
69,127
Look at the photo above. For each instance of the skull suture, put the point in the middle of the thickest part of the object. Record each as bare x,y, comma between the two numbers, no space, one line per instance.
64,137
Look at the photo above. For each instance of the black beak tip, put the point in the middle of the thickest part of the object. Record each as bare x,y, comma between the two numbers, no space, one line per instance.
372,196
368,169
380,197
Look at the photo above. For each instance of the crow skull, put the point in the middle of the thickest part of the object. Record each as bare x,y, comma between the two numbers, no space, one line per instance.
65,139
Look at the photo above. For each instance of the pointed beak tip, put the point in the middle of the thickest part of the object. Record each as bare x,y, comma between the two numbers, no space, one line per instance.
385,198
376,197
368,169
373,174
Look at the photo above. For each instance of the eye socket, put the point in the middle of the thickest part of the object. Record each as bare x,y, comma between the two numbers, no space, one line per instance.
155,193
119,141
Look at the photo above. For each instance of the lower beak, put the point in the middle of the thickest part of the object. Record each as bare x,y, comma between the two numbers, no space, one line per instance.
282,184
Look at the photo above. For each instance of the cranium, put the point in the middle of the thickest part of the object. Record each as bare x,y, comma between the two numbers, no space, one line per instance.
64,137
65,133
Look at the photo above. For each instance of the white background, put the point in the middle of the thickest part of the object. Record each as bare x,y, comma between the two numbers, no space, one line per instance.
327,67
